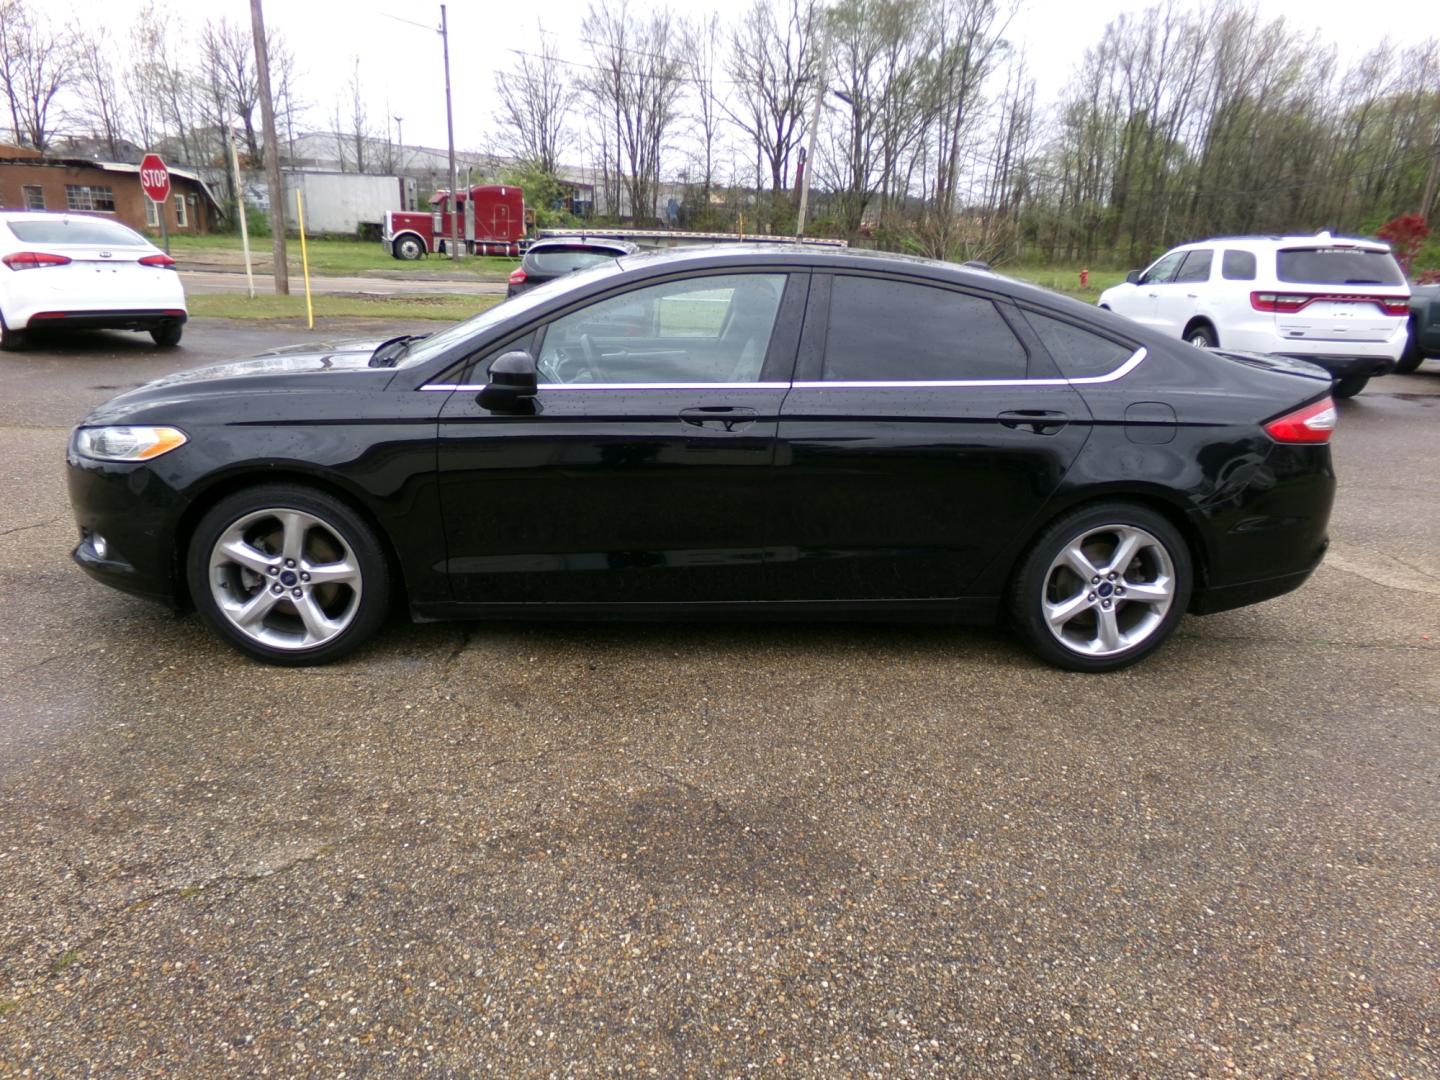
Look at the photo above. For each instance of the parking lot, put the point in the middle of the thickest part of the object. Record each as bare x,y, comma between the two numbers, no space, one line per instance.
718,850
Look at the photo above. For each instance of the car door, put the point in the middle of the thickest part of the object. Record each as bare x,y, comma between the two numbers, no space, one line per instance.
1142,302
1177,300
641,474
924,432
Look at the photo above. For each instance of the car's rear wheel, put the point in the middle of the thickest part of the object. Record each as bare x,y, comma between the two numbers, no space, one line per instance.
10,340
408,248
1102,587
1411,357
1202,336
288,575
167,335
1349,386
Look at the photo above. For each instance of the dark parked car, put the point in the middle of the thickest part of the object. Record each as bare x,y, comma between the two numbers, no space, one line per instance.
708,433
546,260
1424,339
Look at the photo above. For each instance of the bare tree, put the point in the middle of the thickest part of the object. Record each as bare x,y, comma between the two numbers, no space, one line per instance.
36,64
701,42
99,91
535,104
227,58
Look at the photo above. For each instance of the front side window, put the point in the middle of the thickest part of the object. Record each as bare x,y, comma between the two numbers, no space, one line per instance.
1078,353
34,197
697,330
899,331
1196,267
1163,270
1238,266
89,197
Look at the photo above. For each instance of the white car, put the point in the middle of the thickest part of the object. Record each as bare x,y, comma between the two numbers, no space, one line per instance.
1337,302
77,270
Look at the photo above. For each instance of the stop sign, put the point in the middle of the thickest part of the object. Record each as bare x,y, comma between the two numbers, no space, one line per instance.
155,178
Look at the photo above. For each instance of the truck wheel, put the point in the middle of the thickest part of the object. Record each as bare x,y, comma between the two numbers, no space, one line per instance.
1411,357
1349,386
408,248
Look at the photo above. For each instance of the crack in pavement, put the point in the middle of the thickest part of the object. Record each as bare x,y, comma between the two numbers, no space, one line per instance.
37,525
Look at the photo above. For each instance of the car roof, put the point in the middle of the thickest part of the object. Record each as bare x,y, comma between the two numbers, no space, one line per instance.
1277,241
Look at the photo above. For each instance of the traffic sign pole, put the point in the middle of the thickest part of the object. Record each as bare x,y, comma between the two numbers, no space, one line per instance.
164,226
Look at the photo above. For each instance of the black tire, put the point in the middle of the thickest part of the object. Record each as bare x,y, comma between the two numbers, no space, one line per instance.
364,606
1411,357
1162,562
167,335
1202,336
11,340
408,247
1349,386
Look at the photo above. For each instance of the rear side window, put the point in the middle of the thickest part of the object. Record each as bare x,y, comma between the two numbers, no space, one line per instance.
1238,266
74,230
563,260
1077,353
1337,266
1196,266
899,331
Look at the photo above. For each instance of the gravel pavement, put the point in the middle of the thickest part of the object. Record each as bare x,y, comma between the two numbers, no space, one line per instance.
739,850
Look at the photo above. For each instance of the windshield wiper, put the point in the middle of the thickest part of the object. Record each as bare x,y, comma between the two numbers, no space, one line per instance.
387,353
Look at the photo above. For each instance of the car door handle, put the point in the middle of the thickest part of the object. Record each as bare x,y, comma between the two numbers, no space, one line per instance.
726,417
1039,421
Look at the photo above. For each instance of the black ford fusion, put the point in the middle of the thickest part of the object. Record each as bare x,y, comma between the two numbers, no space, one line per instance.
719,432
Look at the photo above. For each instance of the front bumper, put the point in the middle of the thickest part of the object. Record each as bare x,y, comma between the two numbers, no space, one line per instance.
134,511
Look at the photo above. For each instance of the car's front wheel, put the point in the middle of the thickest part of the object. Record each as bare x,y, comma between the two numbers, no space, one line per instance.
288,574
1102,587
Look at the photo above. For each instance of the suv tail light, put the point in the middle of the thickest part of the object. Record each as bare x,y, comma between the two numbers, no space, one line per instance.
158,259
517,276
1290,303
33,260
1311,423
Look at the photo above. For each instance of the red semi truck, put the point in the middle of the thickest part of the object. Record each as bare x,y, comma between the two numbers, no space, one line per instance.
491,222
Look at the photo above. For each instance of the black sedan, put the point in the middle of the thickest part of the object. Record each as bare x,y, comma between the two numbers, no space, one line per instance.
545,260
712,433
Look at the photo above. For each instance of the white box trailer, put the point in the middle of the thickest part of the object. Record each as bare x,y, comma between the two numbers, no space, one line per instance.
344,204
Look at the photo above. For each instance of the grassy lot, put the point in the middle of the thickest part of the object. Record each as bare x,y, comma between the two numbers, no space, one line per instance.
444,308
333,257
1066,279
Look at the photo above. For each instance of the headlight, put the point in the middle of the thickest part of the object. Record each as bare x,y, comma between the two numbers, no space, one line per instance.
127,443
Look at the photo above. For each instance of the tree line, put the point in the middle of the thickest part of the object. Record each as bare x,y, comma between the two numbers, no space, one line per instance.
927,133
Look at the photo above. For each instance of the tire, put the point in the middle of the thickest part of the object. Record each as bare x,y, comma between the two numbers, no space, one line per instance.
167,335
408,247
1064,615
1411,357
1202,336
273,536
10,340
1349,386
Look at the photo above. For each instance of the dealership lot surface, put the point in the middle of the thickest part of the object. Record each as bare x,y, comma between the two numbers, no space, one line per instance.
527,849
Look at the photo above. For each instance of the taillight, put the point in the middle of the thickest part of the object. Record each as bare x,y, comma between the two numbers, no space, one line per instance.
33,260
1290,303
1394,305
158,259
517,276
1311,423
1287,303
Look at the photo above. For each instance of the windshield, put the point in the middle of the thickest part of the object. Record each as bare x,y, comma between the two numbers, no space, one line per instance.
76,230
1338,266
564,260
514,308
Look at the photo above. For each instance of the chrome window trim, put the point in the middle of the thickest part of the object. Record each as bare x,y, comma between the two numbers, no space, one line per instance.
1136,359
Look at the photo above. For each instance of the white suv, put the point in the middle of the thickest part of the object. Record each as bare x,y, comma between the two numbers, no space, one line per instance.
1337,302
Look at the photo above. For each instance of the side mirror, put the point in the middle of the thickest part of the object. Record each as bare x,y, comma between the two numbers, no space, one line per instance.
512,380
1133,277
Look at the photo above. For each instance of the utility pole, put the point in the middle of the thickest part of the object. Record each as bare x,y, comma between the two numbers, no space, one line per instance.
821,75
272,151
450,132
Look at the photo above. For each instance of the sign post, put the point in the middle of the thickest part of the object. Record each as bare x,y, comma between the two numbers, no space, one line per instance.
155,182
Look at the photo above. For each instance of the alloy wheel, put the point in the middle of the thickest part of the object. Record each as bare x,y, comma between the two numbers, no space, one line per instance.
1108,590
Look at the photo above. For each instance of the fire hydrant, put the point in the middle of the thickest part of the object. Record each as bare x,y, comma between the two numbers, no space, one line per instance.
1085,278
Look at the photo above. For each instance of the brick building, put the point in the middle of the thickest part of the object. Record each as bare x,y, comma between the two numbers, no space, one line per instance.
29,181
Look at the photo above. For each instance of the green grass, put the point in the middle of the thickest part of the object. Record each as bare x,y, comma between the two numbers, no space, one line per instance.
443,308
1066,279
333,257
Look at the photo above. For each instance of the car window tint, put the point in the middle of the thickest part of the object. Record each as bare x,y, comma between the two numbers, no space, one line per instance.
1163,270
1337,266
895,330
1196,266
1238,266
709,329
75,230
1078,353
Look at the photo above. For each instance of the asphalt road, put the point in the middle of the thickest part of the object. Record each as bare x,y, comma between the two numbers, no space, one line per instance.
770,850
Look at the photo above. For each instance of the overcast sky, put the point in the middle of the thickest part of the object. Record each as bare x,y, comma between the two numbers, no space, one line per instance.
401,66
